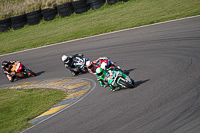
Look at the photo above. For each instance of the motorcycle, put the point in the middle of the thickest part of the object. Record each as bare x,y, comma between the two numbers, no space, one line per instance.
105,63
118,79
19,71
80,64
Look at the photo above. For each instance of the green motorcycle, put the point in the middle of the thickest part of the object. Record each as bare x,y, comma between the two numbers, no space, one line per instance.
117,79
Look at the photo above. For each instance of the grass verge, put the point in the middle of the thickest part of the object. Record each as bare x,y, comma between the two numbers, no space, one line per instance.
19,106
106,19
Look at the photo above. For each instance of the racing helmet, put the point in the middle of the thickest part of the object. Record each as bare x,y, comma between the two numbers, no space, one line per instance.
65,58
89,64
100,72
104,65
4,63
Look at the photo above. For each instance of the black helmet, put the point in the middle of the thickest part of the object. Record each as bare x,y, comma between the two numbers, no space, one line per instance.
4,63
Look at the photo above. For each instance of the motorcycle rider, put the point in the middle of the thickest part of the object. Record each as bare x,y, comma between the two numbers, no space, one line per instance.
69,63
104,63
102,77
91,67
6,68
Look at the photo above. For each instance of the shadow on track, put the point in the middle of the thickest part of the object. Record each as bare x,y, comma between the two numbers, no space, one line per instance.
39,73
138,83
128,71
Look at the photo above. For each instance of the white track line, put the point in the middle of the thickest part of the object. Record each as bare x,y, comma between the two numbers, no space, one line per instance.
102,34
93,85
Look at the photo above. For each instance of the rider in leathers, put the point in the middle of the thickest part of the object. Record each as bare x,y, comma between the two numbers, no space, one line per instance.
98,63
6,68
91,67
69,63
102,77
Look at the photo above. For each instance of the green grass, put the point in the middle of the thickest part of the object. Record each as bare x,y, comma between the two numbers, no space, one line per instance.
108,18
17,107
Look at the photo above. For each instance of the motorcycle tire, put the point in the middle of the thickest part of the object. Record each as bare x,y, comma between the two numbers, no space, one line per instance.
74,73
126,84
133,82
13,78
84,70
30,73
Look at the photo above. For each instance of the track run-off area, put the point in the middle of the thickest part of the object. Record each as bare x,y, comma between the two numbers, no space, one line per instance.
164,61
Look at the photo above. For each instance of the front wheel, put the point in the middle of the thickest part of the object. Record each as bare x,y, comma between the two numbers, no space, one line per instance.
133,82
30,73
126,84
74,73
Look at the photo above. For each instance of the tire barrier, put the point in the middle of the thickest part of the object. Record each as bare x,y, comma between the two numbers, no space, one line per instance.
111,2
5,24
34,17
80,6
124,0
18,22
65,9
96,4
49,14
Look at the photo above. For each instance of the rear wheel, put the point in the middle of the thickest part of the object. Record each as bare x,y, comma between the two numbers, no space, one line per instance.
84,70
126,84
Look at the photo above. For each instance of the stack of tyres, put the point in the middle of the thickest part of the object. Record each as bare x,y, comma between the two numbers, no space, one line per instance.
80,6
18,22
124,0
34,17
49,14
65,9
96,4
5,25
111,2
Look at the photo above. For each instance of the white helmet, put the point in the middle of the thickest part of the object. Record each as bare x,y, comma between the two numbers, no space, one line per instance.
103,65
88,64
100,72
65,58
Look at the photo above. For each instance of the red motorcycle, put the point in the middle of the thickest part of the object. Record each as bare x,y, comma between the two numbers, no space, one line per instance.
19,71
104,63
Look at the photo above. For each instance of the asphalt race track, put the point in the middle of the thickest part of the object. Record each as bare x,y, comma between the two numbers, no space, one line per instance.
164,61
